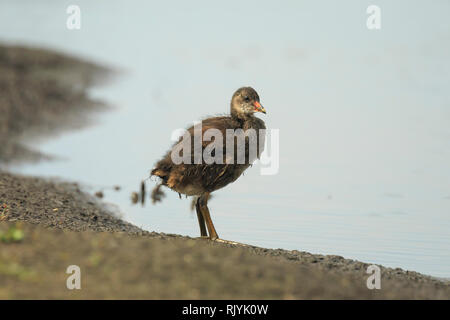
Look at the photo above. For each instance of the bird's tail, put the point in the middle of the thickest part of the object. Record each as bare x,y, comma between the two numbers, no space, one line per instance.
159,173
162,171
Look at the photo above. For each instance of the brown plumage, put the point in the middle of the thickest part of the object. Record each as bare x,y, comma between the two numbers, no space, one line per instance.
199,178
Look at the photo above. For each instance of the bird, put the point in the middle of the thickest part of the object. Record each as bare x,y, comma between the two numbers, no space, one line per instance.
201,178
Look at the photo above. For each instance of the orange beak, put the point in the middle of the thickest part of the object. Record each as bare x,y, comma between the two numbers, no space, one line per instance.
259,107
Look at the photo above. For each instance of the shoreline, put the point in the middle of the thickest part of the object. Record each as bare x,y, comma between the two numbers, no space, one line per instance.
43,93
81,216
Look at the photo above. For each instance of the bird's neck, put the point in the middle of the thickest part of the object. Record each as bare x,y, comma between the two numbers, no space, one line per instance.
242,119
249,122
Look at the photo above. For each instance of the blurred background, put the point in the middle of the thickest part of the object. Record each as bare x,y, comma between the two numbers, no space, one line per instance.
363,116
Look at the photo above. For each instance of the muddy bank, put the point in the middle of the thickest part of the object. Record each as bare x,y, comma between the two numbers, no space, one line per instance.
57,204
117,265
42,93
123,261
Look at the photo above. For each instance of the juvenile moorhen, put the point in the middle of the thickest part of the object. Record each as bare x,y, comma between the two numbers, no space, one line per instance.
200,179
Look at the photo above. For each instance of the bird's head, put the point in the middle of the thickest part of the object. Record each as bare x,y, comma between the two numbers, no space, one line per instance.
245,102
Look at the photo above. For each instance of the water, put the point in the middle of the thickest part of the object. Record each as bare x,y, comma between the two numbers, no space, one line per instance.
363,116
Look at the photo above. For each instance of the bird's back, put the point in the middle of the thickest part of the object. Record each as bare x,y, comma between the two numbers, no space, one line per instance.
194,178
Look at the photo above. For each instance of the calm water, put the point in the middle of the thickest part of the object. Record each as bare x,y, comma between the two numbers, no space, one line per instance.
364,116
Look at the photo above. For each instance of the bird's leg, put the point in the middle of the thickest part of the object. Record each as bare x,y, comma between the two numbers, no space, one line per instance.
201,220
203,202
202,215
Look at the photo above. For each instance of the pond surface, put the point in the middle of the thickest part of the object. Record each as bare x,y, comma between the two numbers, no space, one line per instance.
364,117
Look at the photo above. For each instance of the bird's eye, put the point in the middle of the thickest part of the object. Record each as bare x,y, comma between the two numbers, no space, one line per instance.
246,98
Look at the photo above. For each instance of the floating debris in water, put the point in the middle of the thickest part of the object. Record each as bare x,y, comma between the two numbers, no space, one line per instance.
134,197
99,194
157,194
142,193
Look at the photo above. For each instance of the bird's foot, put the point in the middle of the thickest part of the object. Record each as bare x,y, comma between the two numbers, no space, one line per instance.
231,242
223,241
